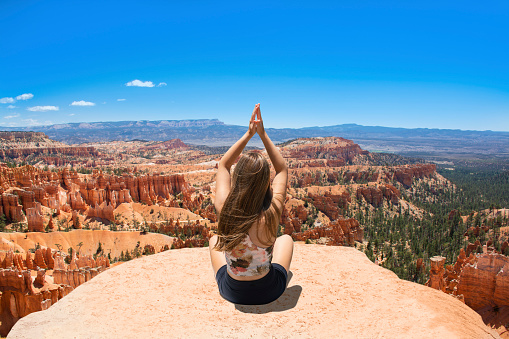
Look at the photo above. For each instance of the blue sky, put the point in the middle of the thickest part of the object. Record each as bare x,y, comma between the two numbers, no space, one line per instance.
434,64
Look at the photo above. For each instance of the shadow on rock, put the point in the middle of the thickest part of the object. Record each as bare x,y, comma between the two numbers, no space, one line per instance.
290,276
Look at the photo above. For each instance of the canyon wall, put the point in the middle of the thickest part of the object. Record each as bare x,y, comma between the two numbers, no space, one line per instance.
403,174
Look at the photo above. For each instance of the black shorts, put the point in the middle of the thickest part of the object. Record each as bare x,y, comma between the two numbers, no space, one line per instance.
256,292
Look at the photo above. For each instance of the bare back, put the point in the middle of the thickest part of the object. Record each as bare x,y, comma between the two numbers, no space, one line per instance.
258,235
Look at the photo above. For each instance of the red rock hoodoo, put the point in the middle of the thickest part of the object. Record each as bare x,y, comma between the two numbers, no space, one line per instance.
95,197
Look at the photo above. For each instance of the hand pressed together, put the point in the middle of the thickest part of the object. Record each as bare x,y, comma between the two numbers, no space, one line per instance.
256,122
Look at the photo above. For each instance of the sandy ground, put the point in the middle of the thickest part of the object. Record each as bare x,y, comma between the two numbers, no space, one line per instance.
334,292
111,242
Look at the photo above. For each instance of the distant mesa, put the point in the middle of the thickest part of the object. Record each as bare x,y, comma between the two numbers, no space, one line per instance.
421,142
139,123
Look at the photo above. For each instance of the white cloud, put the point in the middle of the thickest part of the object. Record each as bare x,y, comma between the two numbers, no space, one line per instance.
82,103
120,99
33,122
139,83
6,100
72,114
161,84
42,108
11,106
25,96
15,115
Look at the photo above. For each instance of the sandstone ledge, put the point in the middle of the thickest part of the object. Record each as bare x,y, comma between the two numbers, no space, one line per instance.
334,292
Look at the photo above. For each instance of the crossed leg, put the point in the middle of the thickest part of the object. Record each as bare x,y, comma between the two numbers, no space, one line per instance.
283,251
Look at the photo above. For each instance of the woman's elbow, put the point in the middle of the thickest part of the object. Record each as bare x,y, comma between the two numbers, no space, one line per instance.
283,168
219,207
223,164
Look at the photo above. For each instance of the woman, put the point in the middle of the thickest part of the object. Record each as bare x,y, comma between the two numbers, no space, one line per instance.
250,264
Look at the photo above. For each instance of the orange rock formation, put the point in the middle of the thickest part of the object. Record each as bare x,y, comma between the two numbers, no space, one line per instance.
169,144
95,197
480,280
293,219
338,232
335,151
71,151
485,282
21,296
376,194
436,274
405,174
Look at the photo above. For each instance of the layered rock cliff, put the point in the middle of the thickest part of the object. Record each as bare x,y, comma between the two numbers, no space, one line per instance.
402,174
12,140
315,152
22,144
70,151
376,195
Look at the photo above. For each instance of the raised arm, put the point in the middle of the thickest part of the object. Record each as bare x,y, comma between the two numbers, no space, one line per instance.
280,180
223,179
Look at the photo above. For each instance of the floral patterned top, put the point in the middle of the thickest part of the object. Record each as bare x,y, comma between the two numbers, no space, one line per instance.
247,259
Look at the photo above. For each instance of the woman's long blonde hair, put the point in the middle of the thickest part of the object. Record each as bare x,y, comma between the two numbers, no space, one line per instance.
249,199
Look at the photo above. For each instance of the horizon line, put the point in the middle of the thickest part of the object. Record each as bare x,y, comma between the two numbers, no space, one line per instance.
225,124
